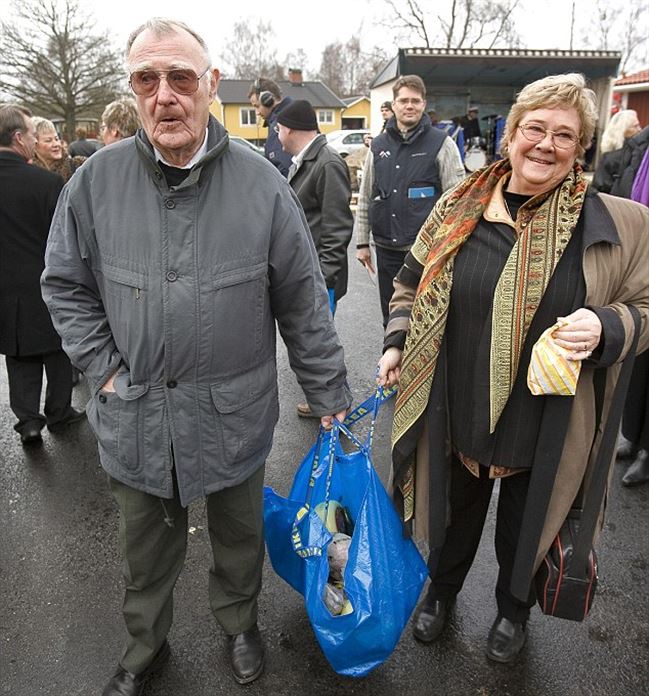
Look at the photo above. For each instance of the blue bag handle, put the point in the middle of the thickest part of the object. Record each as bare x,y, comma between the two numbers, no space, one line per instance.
371,405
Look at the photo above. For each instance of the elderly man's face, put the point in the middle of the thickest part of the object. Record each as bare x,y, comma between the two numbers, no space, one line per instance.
174,123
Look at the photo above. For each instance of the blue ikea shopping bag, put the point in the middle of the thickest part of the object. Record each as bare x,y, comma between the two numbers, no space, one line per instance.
384,573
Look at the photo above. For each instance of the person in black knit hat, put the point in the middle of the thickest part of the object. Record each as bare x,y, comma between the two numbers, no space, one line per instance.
320,179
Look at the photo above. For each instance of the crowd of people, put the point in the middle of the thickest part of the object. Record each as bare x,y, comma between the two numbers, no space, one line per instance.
161,264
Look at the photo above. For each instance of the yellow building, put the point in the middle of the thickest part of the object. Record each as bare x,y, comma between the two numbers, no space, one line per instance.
232,107
357,113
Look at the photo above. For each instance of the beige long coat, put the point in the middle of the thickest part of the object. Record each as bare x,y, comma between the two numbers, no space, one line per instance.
615,275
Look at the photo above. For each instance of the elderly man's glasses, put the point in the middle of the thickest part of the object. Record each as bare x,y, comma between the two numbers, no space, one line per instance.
145,83
535,133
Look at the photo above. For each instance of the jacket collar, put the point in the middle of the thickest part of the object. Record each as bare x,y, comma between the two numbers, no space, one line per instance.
314,147
596,221
12,156
217,144
423,125
496,210
273,115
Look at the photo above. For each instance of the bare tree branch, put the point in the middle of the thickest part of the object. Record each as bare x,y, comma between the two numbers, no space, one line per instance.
52,60
462,24
411,19
624,28
251,52
348,70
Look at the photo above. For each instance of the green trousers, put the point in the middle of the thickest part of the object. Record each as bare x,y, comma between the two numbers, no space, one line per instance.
153,543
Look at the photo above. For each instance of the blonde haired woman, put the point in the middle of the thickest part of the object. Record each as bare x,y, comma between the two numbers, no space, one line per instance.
50,153
624,124
503,255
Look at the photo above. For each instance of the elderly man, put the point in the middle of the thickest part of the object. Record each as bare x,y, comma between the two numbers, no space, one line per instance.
28,196
320,179
409,165
119,120
266,97
167,267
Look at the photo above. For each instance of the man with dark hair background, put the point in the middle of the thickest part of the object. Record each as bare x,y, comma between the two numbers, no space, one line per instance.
266,97
28,196
82,147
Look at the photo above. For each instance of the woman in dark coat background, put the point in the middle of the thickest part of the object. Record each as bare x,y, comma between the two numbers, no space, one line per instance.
634,439
623,125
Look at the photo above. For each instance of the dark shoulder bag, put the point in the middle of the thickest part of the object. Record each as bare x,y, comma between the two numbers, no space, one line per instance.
567,578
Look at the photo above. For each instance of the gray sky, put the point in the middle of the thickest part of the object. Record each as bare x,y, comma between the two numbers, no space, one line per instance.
541,25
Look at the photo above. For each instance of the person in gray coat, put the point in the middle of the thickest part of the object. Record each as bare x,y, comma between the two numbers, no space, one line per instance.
167,266
320,179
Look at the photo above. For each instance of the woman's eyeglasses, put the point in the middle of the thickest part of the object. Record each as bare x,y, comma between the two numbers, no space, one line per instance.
535,133
145,83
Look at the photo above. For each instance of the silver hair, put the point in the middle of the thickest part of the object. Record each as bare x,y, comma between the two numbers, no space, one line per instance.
160,26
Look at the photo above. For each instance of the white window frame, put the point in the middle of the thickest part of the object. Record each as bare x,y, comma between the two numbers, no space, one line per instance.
326,116
249,113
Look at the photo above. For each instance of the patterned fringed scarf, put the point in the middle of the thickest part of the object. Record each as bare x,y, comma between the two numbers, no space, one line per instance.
518,292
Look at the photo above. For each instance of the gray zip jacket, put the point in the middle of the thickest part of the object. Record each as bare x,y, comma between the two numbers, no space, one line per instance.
178,290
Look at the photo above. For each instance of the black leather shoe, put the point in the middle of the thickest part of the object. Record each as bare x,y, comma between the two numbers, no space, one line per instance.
638,471
625,448
246,652
430,619
31,436
125,683
506,640
74,417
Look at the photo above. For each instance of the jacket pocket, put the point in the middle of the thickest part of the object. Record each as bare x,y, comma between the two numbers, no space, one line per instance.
421,198
124,282
103,416
238,309
247,409
122,426
126,303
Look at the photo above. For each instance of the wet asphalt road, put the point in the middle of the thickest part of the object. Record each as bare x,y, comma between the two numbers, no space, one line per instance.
60,586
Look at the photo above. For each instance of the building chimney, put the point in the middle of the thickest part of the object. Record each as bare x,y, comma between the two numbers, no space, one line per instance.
295,76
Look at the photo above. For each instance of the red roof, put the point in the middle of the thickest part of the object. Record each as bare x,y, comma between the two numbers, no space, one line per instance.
635,78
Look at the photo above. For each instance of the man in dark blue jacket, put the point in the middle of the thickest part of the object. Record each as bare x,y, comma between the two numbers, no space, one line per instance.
266,97
410,164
